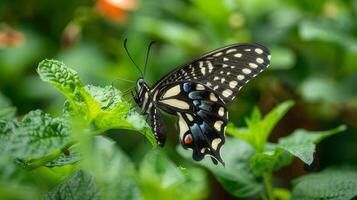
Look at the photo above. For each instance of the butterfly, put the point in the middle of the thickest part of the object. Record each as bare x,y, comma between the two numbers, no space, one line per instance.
198,92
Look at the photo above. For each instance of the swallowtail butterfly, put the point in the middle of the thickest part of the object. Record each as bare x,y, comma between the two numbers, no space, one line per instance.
198,93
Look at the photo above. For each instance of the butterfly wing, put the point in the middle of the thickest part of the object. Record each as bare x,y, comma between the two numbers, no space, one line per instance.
202,117
224,70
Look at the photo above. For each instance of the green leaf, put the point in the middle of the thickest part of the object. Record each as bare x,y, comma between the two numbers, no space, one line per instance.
270,160
68,82
36,136
7,111
334,184
302,143
15,182
284,58
315,30
259,129
236,177
80,185
162,179
102,106
113,171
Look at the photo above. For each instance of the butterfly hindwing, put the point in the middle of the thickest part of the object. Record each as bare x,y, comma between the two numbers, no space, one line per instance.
224,70
202,117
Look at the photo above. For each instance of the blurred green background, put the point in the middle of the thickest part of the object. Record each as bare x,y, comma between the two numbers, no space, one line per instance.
313,46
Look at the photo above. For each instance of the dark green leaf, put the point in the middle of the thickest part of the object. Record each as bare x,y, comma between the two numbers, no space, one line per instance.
113,171
334,184
78,186
302,143
162,179
36,136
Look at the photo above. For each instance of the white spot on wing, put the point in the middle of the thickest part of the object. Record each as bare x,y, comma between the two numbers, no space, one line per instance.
218,54
231,50
246,71
260,60
183,128
200,87
172,91
253,65
233,84
176,103
238,55
225,59
213,97
210,66
258,51
203,70
240,77
269,56
221,111
218,125
215,143
189,117
227,92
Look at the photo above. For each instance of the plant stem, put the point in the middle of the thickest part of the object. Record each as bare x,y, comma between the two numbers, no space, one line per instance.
268,186
35,163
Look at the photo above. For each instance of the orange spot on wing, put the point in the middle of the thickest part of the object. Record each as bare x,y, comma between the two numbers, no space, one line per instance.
188,139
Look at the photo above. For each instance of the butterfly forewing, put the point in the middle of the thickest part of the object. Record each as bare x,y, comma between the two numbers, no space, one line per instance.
224,70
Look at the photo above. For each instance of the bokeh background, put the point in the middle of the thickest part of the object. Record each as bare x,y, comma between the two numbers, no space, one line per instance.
313,46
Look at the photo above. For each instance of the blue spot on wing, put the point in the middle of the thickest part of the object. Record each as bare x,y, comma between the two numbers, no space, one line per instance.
187,87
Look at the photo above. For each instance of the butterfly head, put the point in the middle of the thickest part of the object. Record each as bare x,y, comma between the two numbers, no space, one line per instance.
142,93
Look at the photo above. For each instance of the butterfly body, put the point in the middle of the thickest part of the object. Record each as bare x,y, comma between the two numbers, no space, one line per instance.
198,92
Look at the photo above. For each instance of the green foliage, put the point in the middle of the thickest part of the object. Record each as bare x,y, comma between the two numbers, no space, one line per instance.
80,185
112,170
161,179
313,46
328,184
102,106
258,130
38,132
6,110
302,143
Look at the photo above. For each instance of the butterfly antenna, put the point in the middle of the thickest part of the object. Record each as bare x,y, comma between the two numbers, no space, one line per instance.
147,56
127,52
122,79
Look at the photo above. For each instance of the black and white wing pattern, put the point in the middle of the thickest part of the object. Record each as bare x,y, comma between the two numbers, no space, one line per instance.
224,70
202,117
197,92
